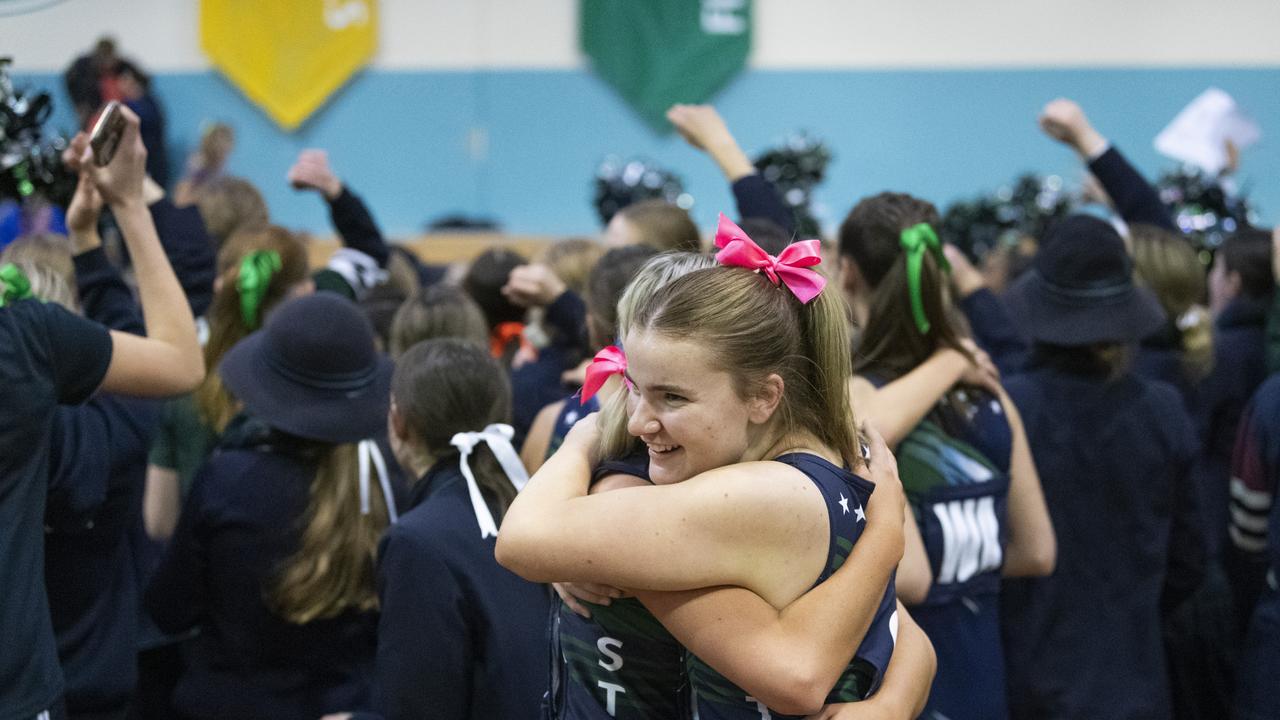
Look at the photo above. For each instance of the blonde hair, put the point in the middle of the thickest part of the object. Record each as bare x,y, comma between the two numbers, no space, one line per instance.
654,275
663,226
1169,267
45,259
230,204
226,320
753,329
333,568
571,260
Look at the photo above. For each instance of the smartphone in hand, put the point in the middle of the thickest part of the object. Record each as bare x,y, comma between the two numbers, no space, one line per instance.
106,135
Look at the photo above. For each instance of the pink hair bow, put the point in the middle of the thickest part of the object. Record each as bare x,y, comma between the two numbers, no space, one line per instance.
609,361
790,268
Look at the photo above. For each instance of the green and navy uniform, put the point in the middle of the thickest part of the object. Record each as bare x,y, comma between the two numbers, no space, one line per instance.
955,471
846,496
620,663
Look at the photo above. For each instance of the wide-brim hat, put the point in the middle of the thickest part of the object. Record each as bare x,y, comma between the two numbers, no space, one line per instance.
313,371
1080,289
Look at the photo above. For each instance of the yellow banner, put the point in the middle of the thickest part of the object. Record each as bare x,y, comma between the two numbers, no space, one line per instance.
288,56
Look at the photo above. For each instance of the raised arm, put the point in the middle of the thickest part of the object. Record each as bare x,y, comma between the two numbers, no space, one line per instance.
104,296
168,361
756,197
348,213
789,659
1134,198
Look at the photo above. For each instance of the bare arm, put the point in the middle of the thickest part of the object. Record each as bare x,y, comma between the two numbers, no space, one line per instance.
905,689
789,659
168,361
1033,547
534,451
915,575
719,528
897,407
161,502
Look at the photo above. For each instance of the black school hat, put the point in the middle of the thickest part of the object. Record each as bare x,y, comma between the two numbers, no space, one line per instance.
313,371
1080,289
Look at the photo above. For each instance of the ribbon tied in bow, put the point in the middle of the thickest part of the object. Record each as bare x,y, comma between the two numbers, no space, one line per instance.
607,362
916,241
790,267
498,437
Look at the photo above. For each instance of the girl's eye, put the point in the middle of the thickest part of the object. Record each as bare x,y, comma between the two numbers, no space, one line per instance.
674,398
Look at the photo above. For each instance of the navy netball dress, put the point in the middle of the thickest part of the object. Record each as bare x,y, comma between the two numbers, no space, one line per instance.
955,471
846,496
620,663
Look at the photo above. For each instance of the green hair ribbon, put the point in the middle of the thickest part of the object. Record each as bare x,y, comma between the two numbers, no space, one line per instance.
917,240
16,285
255,277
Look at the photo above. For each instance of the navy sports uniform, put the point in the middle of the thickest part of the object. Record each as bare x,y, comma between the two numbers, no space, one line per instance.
955,472
571,411
620,663
846,497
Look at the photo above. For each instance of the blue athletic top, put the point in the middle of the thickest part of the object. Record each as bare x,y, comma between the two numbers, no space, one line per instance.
571,412
955,471
846,496
620,663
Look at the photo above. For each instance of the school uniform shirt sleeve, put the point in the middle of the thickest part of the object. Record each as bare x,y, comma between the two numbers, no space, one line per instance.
425,656
77,351
759,198
1135,199
175,596
190,250
90,448
1254,478
351,218
104,295
994,330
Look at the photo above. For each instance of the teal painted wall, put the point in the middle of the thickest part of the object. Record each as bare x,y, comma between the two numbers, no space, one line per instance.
403,138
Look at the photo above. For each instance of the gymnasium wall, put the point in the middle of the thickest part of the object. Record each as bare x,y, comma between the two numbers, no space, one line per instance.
486,107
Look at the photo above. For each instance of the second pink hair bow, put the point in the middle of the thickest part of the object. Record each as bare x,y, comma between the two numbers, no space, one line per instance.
609,361
790,268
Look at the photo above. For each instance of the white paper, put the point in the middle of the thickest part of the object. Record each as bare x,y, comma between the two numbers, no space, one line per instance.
1199,134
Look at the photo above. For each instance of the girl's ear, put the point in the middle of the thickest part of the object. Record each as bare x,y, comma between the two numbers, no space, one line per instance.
766,401
397,425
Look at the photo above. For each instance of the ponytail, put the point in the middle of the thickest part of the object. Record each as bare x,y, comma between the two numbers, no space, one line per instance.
333,569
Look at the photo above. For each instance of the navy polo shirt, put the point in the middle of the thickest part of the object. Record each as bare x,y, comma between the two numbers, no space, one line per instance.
47,356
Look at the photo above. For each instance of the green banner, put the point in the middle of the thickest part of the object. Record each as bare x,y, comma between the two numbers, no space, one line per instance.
661,52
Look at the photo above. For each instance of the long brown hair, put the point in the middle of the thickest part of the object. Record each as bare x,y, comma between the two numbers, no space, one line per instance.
753,329
333,569
226,320
892,344
446,386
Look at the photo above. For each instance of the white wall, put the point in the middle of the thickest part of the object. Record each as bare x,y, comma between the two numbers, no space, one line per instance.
791,34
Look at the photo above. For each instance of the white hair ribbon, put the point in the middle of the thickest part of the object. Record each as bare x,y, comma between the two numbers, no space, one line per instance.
368,451
498,437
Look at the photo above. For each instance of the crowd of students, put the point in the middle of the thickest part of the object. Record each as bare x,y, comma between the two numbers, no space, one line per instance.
645,476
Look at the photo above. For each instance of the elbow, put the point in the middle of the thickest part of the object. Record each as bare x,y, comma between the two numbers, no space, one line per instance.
912,587
1037,560
802,692
517,551
1045,557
